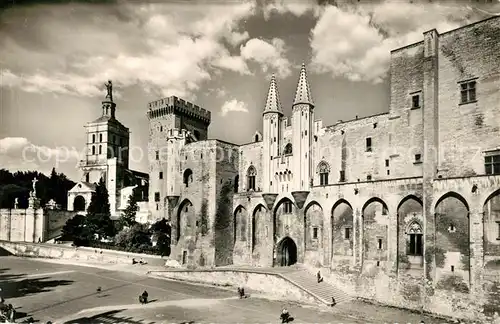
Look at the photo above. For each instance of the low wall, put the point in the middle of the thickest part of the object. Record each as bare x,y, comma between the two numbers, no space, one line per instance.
266,283
56,251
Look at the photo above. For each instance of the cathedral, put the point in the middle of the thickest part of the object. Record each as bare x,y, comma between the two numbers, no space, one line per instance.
408,196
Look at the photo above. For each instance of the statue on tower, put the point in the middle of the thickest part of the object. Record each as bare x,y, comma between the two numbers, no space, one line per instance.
33,193
109,89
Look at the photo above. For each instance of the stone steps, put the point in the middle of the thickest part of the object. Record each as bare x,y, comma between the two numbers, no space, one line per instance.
322,290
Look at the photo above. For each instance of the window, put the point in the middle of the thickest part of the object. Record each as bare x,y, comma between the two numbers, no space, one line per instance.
287,207
288,149
160,176
275,139
387,163
452,268
369,177
87,177
100,149
498,235
100,137
342,176
93,138
161,128
157,196
251,174
236,183
380,244
187,177
157,155
93,150
374,125
323,170
492,164
415,101
415,239
418,157
315,233
369,144
347,233
388,172
256,138
467,92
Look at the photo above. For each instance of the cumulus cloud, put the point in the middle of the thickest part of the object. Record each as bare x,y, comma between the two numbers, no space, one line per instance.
297,8
355,42
166,48
18,153
233,106
269,55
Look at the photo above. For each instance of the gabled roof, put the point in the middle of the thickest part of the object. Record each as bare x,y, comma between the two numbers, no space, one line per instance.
83,186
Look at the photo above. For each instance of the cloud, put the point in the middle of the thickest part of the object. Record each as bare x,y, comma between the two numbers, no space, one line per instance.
355,42
233,106
166,48
18,153
270,56
296,8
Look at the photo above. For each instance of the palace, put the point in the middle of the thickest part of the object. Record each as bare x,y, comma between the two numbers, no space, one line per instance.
384,202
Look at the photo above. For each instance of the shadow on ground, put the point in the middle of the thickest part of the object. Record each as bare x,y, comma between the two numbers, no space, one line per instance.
107,317
14,286
4,252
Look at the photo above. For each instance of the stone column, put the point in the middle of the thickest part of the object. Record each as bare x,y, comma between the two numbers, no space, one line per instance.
358,239
300,198
476,230
393,234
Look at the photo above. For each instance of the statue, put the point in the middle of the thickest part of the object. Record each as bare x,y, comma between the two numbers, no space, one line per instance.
33,193
109,89
16,203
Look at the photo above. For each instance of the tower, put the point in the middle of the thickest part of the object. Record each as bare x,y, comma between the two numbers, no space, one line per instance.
271,135
302,124
173,123
107,150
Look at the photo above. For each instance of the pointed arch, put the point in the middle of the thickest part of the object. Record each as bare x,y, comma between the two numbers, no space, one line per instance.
257,221
452,194
282,217
410,236
340,201
313,226
385,210
187,177
251,175
240,224
410,197
414,227
342,229
185,214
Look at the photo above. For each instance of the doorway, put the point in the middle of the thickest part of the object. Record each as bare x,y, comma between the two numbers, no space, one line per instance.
184,257
287,252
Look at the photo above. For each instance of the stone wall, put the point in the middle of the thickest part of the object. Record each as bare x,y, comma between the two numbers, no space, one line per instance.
84,254
270,284
32,225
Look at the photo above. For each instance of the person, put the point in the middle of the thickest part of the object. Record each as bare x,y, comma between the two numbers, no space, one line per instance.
284,315
333,301
318,275
144,297
241,292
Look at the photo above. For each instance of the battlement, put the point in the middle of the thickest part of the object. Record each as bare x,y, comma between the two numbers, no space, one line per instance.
174,105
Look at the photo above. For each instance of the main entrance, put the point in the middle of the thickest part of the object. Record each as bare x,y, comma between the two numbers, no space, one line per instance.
286,252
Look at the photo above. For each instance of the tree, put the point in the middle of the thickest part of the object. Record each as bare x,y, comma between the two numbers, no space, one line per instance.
128,216
161,231
133,238
76,231
98,218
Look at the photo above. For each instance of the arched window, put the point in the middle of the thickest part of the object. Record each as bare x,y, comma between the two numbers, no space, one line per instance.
93,150
100,137
256,137
323,170
251,174
100,149
93,138
288,149
188,177
415,239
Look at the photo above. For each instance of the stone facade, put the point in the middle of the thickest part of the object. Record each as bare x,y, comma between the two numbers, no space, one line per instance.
107,156
402,204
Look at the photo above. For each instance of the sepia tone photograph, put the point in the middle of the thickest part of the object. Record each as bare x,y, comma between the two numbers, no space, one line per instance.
249,161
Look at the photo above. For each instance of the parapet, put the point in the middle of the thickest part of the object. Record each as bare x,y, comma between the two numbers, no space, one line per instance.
174,105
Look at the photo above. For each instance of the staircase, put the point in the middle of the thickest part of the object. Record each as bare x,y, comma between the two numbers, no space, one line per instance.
322,291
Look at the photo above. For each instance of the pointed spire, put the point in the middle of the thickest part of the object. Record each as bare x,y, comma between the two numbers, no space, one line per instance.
303,92
273,103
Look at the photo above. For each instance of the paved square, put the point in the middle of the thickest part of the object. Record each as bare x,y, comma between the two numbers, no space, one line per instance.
68,294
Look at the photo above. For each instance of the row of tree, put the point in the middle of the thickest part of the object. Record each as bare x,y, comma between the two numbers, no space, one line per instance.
97,229
19,184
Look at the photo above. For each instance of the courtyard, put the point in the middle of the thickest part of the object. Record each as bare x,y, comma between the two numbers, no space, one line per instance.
63,293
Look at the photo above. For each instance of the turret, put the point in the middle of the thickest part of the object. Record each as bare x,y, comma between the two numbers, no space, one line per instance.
271,134
302,124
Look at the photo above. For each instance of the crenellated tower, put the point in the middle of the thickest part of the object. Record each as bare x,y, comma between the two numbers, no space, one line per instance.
302,123
271,135
173,123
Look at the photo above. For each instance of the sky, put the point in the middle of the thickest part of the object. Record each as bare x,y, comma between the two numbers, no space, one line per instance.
220,55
